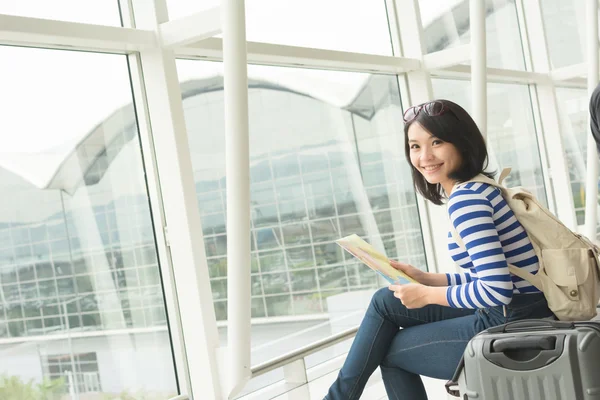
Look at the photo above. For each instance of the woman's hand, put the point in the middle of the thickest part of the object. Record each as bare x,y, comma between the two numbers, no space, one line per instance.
412,295
413,272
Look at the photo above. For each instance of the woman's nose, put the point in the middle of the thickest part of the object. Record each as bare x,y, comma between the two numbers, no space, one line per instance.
426,154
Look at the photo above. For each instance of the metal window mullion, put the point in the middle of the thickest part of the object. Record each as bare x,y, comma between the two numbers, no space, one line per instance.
175,187
42,32
159,222
540,50
591,183
237,160
158,213
478,64
285,55
546,113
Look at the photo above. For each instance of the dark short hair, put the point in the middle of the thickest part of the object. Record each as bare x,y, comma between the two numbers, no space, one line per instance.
454,126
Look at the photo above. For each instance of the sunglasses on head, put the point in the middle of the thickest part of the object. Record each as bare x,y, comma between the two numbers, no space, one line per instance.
432,108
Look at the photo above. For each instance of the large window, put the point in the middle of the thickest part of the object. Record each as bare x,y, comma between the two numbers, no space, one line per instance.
446,24
511,132
327,160
78,268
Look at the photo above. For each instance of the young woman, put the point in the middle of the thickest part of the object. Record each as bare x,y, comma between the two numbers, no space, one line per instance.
422,329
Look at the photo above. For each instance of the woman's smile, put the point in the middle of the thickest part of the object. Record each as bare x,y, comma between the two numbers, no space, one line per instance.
430,169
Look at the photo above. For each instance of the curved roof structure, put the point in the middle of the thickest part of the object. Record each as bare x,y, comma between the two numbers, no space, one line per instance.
67,166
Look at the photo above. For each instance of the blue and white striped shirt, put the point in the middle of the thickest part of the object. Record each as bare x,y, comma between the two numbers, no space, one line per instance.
493,238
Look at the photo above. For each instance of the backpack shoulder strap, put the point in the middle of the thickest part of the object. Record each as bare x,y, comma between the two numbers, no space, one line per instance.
484,179
505,172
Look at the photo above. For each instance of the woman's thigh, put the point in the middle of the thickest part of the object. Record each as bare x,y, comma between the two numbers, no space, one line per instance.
433,349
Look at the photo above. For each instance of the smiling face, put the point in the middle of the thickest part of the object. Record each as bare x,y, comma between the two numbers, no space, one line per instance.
432,157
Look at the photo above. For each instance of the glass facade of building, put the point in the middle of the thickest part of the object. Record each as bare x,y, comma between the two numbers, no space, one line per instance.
318,172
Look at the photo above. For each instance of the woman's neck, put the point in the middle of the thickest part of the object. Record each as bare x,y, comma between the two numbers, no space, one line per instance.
448,186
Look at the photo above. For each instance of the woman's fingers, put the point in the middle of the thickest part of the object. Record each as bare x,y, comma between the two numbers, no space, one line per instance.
398,265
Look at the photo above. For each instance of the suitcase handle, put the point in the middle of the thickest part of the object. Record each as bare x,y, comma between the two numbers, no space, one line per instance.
452,389
524,343
453,382
530,324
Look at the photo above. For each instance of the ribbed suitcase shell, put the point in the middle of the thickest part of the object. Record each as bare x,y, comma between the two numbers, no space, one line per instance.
533,359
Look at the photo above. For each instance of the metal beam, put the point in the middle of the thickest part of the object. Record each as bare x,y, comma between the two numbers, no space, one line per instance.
448,57
569,72
191,29
237,171
591,181
25,31
164,115
274,54
478,65
494,75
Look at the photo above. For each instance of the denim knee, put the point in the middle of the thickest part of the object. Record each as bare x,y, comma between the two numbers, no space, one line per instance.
381,300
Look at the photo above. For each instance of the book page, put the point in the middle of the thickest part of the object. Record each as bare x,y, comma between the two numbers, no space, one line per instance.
366,253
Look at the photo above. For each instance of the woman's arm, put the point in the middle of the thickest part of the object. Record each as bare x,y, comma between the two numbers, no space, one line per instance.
425,278
415,295
431,278
435,279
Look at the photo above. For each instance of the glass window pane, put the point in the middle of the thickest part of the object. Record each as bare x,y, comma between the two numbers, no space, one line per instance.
276,283
567,44
324,230
303,280
75,206
317,179
335,277
258,308
284,22
446,24
511,132
573,108
272,261
100,12
296,234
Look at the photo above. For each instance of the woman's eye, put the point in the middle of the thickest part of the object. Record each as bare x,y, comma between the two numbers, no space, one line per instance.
437,141
414,146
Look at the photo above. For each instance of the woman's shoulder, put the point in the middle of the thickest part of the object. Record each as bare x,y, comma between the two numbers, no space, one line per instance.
472,189
471,194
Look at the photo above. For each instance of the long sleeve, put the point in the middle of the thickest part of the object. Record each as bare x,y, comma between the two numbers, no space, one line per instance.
458,278
462,259
471,214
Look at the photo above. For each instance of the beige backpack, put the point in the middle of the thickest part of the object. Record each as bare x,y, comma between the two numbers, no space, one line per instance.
569,265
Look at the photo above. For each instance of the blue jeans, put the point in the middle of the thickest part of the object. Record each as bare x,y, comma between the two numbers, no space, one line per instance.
430,343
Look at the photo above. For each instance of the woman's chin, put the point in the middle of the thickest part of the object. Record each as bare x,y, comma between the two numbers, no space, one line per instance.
433,180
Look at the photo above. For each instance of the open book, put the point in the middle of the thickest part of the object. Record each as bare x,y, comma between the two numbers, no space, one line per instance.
374,259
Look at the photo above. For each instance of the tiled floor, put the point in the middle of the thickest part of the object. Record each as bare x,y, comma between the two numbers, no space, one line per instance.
317,388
